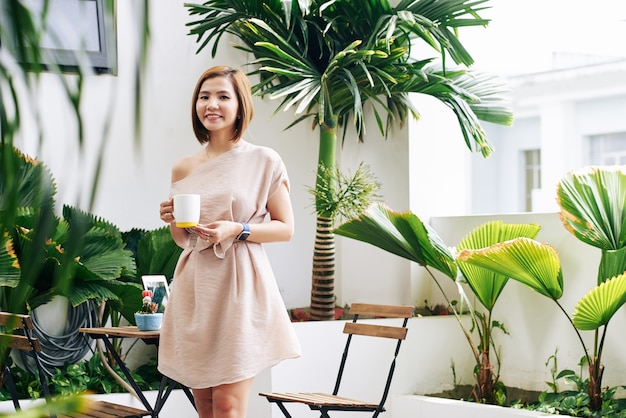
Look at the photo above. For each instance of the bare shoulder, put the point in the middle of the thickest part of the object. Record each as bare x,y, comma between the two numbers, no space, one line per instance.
186,165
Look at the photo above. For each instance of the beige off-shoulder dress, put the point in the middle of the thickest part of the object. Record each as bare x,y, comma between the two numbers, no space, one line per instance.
225,320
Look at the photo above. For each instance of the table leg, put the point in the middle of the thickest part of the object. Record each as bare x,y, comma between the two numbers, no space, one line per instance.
129,377
166,387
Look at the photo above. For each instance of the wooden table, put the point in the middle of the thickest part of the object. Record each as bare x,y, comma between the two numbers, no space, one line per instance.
149,337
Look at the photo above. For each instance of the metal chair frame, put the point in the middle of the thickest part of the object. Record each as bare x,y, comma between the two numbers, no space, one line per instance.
326,403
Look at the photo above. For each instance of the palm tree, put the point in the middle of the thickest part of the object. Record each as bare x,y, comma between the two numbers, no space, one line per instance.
327,59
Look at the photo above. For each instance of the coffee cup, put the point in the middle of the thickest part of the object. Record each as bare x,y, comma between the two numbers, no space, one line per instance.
187,210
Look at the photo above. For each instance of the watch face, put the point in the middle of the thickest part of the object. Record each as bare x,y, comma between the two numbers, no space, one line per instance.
243,236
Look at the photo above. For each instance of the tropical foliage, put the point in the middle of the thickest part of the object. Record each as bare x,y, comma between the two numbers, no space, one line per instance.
41,260
337,62
592,209
41,252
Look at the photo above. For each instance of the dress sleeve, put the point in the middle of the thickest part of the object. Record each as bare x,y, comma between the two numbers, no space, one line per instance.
279,176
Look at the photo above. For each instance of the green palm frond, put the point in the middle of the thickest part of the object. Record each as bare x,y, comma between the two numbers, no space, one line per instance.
85,291
157,253
402,234
597,307
528,261
104,255
592,205
486,284
127,298
30,185
592,209
330,59
9,263
612,263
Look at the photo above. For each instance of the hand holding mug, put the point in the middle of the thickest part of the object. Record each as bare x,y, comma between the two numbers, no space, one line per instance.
167,211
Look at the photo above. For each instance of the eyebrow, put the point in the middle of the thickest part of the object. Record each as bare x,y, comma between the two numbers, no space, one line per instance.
217,92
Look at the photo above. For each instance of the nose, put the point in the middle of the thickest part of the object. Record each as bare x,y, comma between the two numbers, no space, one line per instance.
212,103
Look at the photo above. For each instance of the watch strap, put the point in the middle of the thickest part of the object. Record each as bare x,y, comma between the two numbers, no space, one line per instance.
245,233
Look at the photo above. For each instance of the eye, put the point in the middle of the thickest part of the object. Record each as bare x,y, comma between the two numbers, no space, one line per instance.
203,97
224,97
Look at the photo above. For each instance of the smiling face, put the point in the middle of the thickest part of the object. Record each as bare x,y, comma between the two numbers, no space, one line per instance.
217,107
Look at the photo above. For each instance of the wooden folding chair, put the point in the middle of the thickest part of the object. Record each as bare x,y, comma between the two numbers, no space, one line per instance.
9,339
325,403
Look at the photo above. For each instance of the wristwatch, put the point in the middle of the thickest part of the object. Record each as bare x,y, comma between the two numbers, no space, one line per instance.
245,233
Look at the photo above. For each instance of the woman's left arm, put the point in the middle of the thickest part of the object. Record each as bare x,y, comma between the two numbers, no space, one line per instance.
280,227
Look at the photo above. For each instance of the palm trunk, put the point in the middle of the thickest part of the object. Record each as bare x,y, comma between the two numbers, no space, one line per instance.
323,276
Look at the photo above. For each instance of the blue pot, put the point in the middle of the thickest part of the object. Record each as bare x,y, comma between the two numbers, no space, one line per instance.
149,322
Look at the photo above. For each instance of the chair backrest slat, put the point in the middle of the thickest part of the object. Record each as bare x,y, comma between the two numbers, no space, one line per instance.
365,311
385,311
16,321
19,342
384,331
12,322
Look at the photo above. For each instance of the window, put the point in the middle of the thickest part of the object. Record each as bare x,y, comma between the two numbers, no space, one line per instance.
532,176
76,30
607,149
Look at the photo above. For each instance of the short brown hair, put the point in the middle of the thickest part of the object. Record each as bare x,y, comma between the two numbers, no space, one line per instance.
241,85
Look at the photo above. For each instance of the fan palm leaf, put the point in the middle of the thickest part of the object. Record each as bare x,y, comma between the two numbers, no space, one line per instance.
592,205
9,263
402,234
528,261
486,284
157,253
592,209
597,307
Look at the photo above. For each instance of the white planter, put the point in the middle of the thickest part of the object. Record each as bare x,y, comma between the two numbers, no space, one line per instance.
413,406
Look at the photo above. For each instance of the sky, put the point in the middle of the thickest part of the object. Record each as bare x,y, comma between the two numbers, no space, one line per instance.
523,34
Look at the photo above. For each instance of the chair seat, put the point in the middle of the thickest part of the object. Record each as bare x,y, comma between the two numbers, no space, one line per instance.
320,400
103,409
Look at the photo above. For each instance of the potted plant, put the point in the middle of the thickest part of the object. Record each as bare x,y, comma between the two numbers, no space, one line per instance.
150,316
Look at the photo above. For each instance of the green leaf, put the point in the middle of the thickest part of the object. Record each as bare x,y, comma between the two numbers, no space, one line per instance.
402,234
528,261
592,205
157,253
9,264
486,284
597,307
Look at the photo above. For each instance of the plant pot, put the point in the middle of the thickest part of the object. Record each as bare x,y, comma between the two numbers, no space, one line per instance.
149,322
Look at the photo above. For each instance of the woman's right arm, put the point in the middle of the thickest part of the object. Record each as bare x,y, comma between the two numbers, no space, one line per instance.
180,235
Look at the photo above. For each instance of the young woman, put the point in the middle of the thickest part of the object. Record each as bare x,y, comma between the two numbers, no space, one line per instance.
225,320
